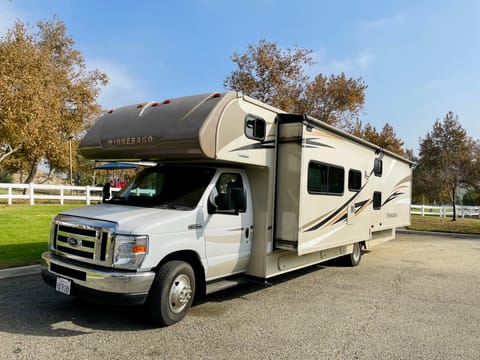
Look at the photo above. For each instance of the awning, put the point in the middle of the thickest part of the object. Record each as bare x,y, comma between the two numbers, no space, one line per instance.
115,166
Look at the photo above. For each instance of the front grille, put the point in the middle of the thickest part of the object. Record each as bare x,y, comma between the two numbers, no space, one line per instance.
82,239
62,270
76,252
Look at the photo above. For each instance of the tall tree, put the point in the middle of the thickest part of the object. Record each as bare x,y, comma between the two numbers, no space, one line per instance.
445,161
476,165
270,74
46,93
386,139
277,77
336,100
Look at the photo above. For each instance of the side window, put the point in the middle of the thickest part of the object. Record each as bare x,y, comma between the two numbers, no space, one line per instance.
325,179
255,127
378,167
354,180
377,200
221,196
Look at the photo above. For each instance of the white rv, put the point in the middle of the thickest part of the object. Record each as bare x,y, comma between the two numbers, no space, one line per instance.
240,189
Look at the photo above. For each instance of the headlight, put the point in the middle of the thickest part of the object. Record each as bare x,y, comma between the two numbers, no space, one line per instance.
129,251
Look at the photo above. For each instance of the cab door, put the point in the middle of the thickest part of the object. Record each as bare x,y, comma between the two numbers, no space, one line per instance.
228,225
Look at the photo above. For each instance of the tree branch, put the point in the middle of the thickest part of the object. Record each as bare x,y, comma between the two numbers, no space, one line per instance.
9,151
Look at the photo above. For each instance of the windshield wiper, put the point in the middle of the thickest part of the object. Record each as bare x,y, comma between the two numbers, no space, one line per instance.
117,199
168,205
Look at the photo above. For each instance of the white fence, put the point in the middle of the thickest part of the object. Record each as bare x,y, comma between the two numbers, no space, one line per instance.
59,193
87,194
445,210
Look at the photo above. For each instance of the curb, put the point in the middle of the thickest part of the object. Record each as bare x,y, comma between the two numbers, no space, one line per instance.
439,234
19,271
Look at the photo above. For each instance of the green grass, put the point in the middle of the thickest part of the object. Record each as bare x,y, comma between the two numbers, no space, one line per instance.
24,232
436,223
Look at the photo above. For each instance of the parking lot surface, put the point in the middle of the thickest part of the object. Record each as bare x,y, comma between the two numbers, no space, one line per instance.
417,297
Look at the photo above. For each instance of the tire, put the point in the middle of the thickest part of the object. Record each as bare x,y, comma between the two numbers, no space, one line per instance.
172,293
354,258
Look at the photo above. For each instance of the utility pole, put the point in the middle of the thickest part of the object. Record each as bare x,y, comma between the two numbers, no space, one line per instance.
71,165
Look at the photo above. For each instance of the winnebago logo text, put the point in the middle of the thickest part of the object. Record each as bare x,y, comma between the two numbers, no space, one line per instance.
130,140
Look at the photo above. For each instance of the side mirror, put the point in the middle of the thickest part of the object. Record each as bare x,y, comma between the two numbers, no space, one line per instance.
239,199
106,193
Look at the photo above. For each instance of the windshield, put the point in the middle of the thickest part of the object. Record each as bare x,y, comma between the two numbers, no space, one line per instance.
172,187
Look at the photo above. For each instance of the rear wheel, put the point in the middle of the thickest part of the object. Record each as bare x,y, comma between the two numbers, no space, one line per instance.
354,258
172,293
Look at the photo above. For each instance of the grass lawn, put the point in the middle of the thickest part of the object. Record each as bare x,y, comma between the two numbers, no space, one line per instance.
436,223
24,232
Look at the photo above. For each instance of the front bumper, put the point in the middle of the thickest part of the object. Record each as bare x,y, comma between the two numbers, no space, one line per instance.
102,285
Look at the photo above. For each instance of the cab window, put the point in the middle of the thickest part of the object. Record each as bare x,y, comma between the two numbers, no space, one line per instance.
221,195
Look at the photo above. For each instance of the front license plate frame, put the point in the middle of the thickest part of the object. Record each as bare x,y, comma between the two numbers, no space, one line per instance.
63,285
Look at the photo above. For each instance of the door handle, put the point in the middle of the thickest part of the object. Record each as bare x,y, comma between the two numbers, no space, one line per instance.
247,232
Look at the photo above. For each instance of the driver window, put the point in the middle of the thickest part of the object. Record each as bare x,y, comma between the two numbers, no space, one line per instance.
220,196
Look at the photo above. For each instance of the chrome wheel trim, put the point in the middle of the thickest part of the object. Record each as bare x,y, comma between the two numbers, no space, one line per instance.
180,293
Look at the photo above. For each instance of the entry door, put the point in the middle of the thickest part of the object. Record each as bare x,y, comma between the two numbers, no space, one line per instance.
228,234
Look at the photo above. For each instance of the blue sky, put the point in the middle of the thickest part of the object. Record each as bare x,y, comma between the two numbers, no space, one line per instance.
420,59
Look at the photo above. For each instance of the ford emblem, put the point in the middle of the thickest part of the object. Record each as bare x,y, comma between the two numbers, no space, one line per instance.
73,241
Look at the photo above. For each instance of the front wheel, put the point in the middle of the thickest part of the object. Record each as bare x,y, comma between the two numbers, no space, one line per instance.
172,293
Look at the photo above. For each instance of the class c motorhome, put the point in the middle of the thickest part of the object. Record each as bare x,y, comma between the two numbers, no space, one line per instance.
240,189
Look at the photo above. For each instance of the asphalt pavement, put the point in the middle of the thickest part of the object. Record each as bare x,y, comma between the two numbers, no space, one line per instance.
416,297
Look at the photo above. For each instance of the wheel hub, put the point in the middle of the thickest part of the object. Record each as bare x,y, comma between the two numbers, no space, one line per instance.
180,293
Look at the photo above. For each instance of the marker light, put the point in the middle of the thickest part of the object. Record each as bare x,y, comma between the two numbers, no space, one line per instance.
139,249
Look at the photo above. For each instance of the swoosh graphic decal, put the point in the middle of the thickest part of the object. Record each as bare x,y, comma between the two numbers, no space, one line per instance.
334,214
361,206
392,197
406,179
312,143
258,146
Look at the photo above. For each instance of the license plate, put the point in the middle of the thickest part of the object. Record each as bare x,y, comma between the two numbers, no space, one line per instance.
63,285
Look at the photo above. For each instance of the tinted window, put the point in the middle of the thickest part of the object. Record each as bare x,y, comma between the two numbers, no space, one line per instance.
255,127
354,180
325,179
377,200
378,167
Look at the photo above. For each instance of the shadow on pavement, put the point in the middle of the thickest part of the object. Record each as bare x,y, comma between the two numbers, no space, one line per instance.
29,306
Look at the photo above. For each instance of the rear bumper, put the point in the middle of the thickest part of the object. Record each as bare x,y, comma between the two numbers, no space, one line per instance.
101,285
